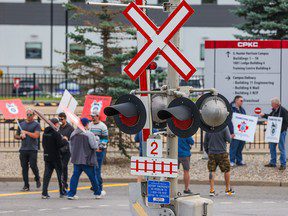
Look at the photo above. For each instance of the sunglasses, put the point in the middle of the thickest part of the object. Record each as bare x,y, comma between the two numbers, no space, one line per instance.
61,119
94,116
29,115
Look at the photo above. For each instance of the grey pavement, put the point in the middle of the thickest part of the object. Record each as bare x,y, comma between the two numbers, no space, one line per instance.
248,200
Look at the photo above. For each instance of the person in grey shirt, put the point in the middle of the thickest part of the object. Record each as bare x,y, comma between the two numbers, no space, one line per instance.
29,135
215,145
83,147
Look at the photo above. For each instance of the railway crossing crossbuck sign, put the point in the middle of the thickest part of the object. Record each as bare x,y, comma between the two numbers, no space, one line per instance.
158,40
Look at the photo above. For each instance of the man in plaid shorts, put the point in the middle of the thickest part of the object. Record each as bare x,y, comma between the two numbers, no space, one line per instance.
215,145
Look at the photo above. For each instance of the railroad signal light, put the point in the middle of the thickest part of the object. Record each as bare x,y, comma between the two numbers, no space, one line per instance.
183,117
215,112
129,113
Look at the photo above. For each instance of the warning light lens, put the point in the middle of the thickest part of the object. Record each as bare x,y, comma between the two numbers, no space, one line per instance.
182,125
129,121
153,66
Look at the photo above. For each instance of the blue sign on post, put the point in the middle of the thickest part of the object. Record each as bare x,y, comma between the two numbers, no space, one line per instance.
159,192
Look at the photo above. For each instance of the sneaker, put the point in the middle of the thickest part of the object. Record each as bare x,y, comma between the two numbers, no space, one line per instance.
188,192
229,192
232,164
242,163
101,196
45,197
72,197
25,188
62,195
212,193
38,184
269,165
282,167
103,193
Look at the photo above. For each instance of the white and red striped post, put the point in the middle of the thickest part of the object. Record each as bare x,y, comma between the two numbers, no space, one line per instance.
144,83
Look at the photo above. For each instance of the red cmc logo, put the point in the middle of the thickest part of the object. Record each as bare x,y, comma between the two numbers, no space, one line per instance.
247,44
243,127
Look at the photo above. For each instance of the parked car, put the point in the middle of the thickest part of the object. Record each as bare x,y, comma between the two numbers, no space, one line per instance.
27,87
72,87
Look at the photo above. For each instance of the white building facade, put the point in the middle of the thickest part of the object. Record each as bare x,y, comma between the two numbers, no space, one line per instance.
26,38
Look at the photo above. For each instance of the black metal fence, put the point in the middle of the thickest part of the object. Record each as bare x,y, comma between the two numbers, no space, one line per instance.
35,86
8,130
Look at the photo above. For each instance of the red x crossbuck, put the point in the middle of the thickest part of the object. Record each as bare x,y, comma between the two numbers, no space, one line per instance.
158,40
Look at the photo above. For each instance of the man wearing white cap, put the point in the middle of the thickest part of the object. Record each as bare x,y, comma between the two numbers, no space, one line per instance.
99,128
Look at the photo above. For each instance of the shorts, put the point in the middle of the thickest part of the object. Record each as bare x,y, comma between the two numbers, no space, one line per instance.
220,160
185,161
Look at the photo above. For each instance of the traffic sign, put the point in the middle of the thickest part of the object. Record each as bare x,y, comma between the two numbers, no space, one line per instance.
160,167
154,148
158,40
158,192
257,110
16,82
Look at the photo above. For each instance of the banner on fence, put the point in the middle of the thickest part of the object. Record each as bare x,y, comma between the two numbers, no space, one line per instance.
273,130
94,103
244,127
12,109
67,101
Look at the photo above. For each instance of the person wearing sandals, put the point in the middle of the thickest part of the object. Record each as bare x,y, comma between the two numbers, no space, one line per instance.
215,145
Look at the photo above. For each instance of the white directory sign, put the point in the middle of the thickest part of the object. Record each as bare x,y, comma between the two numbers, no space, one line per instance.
244,127
273,129
67,101
252,69
154,148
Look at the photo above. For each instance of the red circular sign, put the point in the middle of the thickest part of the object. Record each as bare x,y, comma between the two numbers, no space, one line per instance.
257,110
153,66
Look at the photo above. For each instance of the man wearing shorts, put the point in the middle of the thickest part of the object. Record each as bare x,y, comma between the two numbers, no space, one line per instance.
184,154
215,145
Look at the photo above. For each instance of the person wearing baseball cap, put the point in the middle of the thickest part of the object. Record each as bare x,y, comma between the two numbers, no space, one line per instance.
52,143
83,157
99,128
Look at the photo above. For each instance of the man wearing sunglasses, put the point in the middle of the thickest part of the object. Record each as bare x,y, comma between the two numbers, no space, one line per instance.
65,130
29,134
98,128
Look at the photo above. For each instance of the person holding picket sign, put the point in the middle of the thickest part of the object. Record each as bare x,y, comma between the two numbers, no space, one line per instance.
29,133
278,111
52,143
236,146
99,128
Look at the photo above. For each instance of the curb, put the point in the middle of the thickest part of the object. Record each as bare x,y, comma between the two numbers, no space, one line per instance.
192,182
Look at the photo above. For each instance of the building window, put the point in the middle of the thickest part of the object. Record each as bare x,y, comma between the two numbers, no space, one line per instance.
33,50
202,52
160,2
77,49
209,1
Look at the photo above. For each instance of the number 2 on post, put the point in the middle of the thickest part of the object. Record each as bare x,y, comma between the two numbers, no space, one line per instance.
154,150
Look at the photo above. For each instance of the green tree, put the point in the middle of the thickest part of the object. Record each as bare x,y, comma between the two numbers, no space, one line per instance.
263,19
100,35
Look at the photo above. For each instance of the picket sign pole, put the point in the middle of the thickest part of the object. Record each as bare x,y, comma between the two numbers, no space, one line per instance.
18,124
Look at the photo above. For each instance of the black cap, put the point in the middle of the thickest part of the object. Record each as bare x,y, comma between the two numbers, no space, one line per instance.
54,120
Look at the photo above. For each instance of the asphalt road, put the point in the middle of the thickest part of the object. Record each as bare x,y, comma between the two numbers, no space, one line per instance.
247,201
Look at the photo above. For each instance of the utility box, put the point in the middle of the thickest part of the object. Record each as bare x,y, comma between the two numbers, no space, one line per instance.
194,206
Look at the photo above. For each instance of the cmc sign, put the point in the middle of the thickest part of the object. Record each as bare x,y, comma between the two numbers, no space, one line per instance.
257,70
